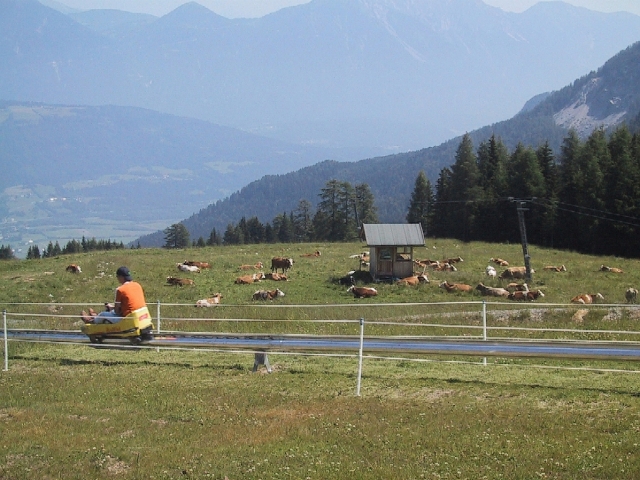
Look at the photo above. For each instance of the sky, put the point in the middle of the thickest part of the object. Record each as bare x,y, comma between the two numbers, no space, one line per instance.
258,8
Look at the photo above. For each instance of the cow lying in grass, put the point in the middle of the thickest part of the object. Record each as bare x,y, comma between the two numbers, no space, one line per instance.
587,298
515,273
210,302
362,292
553,268
492,291
248,279
529,295
180,282
276,277
499,261
631,295
604,268
257,266
193,263
187,268
267,294
414,280
456,287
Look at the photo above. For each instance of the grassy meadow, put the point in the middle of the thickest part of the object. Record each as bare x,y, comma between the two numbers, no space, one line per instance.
72,411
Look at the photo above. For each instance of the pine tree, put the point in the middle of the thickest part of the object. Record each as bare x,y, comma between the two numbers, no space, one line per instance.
269,235
365,208
214,238
493,157
568,225
525,180
232,235
303,221
283,228
549,202
176,236
33,252
327,219
443,206
6,253
622,195
421,203
465,189
346,226
254,231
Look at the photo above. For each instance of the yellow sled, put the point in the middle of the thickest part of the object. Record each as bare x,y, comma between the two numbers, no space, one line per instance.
137,327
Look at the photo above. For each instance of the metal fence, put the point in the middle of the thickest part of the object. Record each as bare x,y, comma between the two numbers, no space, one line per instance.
470,328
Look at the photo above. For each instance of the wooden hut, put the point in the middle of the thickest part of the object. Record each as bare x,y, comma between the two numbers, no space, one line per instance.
391,248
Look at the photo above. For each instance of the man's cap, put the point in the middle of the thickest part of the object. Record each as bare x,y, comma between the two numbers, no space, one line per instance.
123,272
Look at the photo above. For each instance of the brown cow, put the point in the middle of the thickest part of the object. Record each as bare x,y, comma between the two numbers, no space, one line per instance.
553,268
515,272
492,291
427,263
257,266
248,279
362,292
267,294
456,287
281,262
193,263
445,267
180,282
277,277
210,302
604,268
73,268
314,254
453,260
529,295
499,261
587,298
517,287
414,280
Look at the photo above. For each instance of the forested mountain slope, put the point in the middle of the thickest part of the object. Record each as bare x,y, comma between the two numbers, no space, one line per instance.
602,99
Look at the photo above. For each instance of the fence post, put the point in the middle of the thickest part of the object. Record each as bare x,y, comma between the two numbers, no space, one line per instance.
484,326
360,356
484,320
158,316
6,349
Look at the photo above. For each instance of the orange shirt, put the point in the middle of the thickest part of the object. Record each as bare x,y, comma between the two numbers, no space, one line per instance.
130,297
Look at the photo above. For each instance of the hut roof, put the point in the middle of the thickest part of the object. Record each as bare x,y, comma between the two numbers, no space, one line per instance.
398,234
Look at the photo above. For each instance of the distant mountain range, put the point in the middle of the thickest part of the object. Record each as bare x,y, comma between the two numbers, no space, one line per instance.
123,172
397,75
603,99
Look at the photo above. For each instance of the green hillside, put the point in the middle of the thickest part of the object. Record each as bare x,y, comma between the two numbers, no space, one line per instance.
311,280
76,412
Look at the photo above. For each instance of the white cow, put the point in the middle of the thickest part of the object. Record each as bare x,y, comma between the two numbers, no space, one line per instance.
187,268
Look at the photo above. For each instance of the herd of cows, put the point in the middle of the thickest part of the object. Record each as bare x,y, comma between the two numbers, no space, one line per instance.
516,290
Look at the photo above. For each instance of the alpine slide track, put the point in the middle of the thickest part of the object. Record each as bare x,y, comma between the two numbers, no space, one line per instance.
624,346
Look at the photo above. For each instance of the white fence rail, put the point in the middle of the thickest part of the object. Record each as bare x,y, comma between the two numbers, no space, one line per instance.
485,322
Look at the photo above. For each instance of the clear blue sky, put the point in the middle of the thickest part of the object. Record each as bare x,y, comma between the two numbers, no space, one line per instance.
258,8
